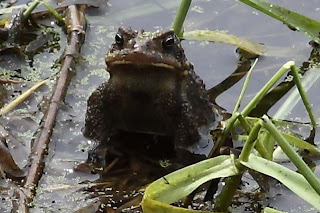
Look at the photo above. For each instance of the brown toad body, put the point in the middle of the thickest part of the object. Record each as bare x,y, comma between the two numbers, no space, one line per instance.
152,89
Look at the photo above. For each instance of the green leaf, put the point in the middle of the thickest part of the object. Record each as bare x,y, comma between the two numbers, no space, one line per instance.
293,180
179,184
271,210
293,140
301,144
294,20
153,206
309,80
216,36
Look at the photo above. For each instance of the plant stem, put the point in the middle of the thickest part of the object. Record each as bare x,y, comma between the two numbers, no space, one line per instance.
245,124
53,11
266,88
180,17
224,199
262,150
30,9
303,94
244,88
248,146
293,156
223,137
258,145
268,142
234,117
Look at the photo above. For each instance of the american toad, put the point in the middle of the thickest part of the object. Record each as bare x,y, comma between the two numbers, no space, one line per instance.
152,89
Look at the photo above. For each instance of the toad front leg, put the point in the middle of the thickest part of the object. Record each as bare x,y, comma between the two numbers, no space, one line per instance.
97,127
187,131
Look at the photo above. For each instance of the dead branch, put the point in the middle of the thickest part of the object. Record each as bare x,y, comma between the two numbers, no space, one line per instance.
76,26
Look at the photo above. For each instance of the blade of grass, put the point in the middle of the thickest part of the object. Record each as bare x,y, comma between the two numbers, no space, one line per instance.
267,141
293,180
248,146
234,117
252,104
22,97
53,11
224,199
265,137
270,210
217,145
303,94
301,144
244,87
216,36
29,10
293,156
179,184
180,17
309,79
294,20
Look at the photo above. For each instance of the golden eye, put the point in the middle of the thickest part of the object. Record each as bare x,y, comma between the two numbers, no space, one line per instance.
168,41
119,39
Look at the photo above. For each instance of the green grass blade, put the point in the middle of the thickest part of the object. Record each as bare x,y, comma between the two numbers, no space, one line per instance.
153,206
180,17
293,180
301,144
244,88
294,141
53,12
248,146
294,20
179,184
303,95
253,103
221,37
29,10
308,81
224,199
270,210
293,156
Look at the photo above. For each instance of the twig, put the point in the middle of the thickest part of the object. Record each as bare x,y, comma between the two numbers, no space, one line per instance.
74,19
22,97
9,81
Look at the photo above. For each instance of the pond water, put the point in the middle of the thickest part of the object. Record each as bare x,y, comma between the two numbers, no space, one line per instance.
213,62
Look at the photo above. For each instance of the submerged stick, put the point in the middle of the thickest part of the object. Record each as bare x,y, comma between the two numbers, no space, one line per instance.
76,23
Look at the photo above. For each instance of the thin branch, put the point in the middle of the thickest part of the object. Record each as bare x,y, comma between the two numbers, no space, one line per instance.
76,22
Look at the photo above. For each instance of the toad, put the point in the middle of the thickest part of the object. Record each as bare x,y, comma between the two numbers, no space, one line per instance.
152,89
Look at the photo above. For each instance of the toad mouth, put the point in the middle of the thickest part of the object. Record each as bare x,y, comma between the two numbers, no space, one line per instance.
143,59
160,65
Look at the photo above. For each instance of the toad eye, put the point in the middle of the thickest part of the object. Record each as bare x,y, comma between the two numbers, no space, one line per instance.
168,42
119,39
